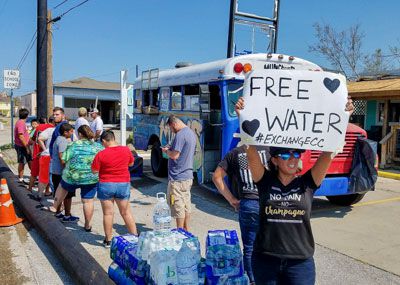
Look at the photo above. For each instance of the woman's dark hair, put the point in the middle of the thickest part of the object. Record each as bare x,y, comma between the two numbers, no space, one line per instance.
23,113
272,167
65,128
108,136
86,132
42,120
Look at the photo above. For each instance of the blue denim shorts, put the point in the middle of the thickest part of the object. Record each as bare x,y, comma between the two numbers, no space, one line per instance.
114,190
88,191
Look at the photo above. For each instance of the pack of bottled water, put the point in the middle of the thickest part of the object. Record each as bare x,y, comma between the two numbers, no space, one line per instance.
135,268
117,275
119,245
224,260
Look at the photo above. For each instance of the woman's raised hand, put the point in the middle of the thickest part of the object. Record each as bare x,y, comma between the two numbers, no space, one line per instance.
239,106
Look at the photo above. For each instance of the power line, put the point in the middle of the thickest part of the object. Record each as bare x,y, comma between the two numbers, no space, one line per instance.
72,8
27,50
55,7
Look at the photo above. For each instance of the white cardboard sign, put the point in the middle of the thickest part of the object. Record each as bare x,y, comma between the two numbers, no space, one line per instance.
295,109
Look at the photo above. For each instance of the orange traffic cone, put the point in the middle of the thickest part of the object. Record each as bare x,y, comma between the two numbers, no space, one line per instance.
7,212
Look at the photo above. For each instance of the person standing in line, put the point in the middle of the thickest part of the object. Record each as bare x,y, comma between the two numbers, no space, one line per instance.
284,246
44,160
81,121
59,120
21,143
180,170
77,173
112,164
97,123
242,195
34,125
57,167
37,150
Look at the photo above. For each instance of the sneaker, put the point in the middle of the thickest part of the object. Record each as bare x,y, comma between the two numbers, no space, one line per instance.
107,243
70,219
59,216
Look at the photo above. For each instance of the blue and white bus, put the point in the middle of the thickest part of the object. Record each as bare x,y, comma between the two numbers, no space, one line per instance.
204,96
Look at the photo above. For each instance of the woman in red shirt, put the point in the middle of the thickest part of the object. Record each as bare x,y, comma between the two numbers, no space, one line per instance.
112,164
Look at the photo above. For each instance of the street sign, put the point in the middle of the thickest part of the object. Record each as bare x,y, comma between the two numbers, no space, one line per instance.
11,79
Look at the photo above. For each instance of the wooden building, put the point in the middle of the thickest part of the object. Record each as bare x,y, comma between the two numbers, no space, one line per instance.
377,105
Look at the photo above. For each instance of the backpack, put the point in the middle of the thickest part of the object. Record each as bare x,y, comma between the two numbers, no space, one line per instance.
363,174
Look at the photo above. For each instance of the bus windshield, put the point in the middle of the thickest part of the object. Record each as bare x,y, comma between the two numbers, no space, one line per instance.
235,90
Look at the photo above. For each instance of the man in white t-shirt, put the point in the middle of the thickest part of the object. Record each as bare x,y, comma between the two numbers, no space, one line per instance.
97,124
81,121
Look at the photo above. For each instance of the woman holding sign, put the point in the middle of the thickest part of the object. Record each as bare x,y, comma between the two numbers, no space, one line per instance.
284,246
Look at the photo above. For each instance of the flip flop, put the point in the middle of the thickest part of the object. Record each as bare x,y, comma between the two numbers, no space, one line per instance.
88,230
48,195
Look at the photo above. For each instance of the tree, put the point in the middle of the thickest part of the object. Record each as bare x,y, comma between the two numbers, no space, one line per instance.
395,52
342,49
376,63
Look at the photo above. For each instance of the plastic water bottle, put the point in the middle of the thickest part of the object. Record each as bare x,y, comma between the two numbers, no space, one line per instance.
186,265
162,214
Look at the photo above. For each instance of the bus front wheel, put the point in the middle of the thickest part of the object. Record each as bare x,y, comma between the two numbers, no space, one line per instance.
346,200
158,162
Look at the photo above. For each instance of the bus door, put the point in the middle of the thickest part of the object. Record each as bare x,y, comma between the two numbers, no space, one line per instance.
232,90
210,114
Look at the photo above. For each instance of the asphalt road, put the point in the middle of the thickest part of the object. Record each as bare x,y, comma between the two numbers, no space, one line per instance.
354,245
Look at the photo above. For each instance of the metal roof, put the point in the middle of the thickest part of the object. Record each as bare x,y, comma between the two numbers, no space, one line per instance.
88,83
374,89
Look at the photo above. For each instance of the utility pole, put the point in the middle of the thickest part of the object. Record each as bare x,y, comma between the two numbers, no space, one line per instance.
50,103
41,61
231,32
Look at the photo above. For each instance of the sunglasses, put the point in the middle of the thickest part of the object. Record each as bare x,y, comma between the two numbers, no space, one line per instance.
287,155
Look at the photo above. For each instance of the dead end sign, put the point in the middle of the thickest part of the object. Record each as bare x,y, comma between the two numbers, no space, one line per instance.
295,109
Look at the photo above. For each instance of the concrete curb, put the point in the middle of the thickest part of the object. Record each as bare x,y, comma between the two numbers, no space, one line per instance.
81,266
389,175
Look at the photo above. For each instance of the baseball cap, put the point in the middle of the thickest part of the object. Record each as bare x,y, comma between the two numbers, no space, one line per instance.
94,110
274,151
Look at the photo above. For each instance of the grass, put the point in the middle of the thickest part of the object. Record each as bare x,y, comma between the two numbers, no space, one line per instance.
6,146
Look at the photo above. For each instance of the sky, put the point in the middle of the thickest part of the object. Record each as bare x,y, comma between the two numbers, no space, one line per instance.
102,37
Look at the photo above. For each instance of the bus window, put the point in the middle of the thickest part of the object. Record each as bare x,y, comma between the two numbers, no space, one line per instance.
154,98
235,90
176,98
164,102
150,102
138,101
191,97
146,98
215,98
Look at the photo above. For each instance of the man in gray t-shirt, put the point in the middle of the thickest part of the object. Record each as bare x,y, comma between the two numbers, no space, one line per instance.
180,170
59,146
